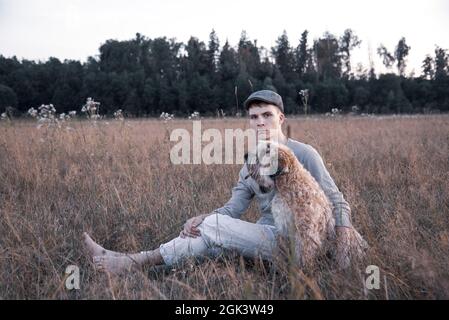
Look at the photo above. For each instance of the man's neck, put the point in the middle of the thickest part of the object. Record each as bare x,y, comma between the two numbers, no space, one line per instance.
283,139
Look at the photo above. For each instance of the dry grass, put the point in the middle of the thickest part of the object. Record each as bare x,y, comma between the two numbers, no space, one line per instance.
116,182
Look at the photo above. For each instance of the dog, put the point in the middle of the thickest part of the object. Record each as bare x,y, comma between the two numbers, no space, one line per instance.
302,212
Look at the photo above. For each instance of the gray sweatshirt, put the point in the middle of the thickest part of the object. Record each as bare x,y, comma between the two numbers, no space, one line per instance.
245,190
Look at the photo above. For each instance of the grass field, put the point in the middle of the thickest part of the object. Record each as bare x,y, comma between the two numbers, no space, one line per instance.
115,181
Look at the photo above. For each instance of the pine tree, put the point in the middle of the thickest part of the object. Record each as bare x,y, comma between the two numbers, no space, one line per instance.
284,57
301,54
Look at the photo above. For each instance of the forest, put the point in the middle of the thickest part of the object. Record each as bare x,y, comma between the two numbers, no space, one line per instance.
145,77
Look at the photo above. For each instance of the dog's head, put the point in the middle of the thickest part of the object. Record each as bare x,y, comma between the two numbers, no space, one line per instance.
268,161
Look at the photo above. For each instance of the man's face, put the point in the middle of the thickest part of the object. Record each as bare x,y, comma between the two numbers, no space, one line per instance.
264,117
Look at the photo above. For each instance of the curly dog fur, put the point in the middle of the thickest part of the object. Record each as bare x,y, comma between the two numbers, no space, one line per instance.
301,210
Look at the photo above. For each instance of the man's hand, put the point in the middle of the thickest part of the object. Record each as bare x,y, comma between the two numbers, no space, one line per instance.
350,244
190,227
343,247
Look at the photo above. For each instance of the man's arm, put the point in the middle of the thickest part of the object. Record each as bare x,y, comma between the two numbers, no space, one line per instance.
241,197
348,239
341,210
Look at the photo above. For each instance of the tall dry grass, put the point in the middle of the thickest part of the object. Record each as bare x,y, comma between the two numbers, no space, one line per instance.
116,182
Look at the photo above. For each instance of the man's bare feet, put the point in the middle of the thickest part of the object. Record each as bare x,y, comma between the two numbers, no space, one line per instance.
115,265
116,262
95,249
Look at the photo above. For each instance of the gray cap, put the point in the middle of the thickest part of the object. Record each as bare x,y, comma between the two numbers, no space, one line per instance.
267,96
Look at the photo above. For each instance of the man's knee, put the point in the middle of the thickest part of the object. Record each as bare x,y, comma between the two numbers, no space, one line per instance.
216,220
214,228
220,230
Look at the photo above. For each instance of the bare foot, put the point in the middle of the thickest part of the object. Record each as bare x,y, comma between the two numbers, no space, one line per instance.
115,265
95,249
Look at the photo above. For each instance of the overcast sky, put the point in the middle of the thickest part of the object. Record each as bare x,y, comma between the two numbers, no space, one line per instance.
74,29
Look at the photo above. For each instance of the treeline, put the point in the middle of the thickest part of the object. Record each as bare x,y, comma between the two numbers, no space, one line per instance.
145,77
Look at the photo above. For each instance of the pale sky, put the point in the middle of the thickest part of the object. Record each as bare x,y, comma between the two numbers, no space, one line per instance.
74,29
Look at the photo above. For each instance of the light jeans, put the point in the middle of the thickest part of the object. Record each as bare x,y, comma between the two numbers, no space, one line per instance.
218,232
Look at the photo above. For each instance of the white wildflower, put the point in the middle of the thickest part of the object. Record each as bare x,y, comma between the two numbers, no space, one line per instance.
91,108
335,111
304,93
118,115
166,116
32,112
194,115
305,99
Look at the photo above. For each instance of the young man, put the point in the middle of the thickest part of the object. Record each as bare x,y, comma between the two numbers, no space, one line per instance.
208,234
